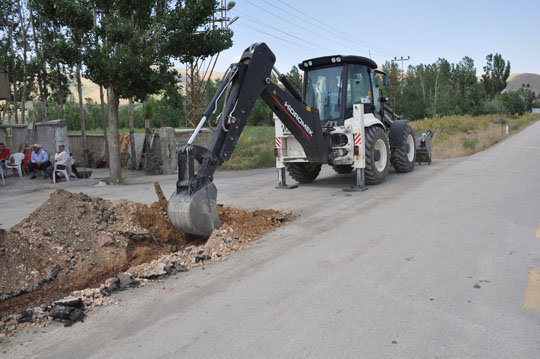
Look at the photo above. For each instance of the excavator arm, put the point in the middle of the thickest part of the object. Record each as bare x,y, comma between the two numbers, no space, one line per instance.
192,208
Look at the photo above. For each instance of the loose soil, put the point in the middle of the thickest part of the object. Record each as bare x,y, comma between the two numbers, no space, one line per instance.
74,241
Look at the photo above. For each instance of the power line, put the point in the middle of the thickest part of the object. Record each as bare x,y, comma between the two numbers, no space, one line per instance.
280,43
310,31
334,30
303,41
277,37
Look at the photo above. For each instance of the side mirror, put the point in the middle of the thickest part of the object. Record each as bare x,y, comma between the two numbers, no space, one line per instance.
385,80
383,99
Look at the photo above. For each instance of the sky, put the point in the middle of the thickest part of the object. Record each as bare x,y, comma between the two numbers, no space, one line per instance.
422,30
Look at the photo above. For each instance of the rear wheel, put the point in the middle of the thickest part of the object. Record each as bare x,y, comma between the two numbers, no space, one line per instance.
377,155
304,172
342,169
404,157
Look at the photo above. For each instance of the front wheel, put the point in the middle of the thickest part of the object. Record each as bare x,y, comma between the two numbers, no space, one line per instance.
377,155
343,169
404,157
303,172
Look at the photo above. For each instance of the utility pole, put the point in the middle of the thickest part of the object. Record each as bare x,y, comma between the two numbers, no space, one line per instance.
199,71
401,59
402,69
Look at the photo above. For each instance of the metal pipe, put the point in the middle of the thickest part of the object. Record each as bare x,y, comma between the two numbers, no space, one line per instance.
199,126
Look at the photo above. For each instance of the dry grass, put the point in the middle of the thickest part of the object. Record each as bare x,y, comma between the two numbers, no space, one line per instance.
457,136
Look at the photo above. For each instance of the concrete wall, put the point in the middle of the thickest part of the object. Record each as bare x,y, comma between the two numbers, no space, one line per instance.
53,133
96,144
48,134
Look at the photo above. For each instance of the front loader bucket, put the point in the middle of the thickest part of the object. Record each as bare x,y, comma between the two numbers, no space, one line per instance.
194,213
423,146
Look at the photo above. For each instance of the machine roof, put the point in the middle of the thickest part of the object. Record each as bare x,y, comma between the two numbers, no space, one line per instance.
326,61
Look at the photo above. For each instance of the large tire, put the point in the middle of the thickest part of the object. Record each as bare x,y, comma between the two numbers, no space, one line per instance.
403,158
377,155
304,172
343,169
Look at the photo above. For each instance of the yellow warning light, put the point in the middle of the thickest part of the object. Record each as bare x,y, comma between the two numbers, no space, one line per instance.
358,158
308,108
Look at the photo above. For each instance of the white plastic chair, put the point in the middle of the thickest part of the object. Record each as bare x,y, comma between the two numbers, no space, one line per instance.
2,175
15,162
64,172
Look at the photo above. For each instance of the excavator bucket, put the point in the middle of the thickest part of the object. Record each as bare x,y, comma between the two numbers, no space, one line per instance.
196,212
423,146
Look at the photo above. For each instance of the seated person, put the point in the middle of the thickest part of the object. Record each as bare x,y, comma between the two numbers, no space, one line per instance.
4,156
39,160
60,159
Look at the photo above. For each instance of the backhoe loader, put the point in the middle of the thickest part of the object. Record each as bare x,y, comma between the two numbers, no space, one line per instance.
340,119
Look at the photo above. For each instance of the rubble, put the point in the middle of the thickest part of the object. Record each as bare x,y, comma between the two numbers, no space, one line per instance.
72,253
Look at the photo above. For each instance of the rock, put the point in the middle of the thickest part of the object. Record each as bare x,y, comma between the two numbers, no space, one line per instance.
125,281
47,232
105,242
202,258
26,316
70,302
66,314
158,270
180,268
2,325
11,327
111,284
105,292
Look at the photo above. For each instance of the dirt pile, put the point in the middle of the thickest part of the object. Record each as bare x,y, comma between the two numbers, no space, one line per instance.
74,242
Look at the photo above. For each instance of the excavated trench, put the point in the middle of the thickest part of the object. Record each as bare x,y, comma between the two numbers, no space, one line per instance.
74,241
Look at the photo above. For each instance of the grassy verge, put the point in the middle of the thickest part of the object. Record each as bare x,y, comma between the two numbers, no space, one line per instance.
255,149
457,136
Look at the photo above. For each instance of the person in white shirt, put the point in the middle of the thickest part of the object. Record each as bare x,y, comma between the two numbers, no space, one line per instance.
60,159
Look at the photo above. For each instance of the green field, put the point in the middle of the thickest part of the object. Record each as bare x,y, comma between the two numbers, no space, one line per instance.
255,149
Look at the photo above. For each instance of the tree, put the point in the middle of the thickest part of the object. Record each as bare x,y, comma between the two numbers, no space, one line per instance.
295,78
135,43
496,73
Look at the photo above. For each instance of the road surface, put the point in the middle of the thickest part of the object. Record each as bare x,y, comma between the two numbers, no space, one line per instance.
439,263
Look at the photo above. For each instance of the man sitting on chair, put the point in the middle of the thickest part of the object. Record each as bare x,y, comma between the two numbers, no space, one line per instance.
4,156
39,160
60,159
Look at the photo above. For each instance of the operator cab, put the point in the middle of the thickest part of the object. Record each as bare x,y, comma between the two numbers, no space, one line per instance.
332,84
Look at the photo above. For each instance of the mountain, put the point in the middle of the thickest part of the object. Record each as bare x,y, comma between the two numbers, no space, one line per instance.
516,81
91,90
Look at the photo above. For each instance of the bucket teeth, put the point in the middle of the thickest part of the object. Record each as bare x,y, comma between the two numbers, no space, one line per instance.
195,213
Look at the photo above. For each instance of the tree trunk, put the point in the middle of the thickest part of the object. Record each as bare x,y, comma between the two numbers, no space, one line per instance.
25,24
40,74
60,93
104,124
132,136
435,100
81,111
10,36
115,165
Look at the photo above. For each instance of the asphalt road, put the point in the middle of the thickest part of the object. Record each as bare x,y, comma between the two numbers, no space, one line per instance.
438,263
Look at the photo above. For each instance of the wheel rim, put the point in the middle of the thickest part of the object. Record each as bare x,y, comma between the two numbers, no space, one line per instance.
381,163
411,148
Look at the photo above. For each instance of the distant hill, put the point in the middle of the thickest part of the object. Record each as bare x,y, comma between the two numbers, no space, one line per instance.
516,81
91,90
